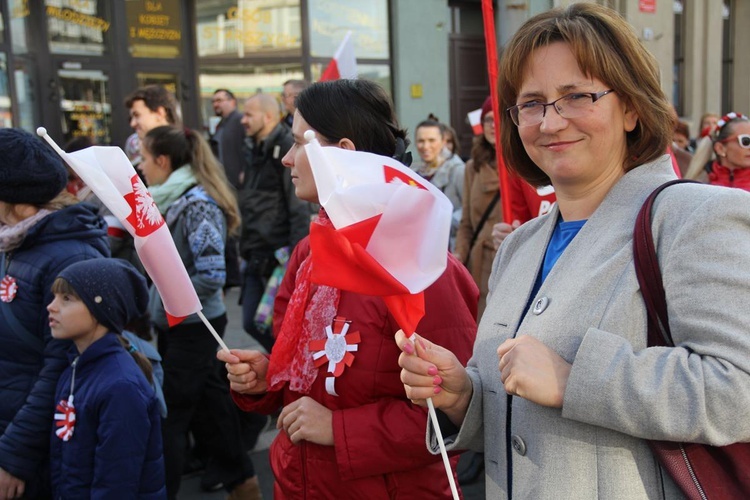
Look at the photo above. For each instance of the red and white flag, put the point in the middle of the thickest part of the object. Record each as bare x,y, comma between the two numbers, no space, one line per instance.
344,62
390,229
112,178
475,120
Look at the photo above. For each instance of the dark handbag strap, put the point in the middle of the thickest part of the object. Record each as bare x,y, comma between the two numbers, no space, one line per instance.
6,315
648,273
482,221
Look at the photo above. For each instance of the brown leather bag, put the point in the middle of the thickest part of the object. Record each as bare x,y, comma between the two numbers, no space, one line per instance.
699,470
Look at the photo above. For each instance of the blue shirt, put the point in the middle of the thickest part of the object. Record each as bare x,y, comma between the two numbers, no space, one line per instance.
561,237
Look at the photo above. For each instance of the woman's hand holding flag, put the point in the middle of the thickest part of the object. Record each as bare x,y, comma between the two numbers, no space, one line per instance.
431,371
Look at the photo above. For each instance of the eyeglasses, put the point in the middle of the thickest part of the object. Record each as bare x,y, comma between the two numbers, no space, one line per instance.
489,120
743,139
568,106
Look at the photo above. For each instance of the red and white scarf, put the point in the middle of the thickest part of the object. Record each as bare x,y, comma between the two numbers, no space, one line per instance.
307,316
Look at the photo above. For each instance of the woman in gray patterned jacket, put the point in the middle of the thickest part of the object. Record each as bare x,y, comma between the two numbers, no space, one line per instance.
190,188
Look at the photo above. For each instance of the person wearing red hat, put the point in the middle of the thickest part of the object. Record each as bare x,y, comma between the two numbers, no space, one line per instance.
481,207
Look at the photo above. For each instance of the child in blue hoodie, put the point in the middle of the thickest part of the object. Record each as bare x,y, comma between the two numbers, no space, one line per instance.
106,439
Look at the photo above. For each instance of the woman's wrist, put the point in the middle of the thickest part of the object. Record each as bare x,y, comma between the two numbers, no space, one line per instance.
457,411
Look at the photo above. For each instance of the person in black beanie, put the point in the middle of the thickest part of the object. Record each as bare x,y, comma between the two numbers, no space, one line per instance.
43,229
106,441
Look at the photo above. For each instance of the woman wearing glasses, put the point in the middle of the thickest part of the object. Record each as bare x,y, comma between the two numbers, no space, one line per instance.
561,391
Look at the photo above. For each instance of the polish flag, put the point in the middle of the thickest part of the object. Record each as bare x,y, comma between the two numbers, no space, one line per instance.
112,178
390,229
344,63
475,120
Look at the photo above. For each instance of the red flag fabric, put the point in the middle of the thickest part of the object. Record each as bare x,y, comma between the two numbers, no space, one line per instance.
390,229
111,176
475,120
344,62
488,17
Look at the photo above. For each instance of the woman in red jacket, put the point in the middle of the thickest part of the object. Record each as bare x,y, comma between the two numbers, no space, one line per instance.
363,438
732,147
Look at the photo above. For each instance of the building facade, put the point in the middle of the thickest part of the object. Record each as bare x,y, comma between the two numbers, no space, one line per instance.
69,64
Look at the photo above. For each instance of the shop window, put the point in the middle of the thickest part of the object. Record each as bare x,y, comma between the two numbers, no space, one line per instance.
366,19
154,28
378,73
85,106
78,27
6,116
242,27
169,81
243,81
24,78
19,13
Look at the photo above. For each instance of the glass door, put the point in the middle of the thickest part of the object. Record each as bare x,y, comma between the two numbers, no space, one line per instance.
6,114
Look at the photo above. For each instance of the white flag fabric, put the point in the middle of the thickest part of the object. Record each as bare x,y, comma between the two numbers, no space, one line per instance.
475,120
391,226
111,176
344,62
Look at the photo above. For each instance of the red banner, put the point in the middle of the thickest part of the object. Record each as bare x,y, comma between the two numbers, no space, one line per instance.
488,18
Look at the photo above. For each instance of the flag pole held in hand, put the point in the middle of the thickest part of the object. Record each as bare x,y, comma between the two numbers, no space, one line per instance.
439,436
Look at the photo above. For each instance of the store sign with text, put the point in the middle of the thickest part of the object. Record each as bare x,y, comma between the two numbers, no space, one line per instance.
647,5
154,28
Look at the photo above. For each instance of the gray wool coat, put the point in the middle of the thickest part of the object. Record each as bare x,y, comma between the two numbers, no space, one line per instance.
590,311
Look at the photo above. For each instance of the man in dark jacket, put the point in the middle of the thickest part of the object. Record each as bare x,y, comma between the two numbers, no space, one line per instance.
228,145
291,90
272,216
228,140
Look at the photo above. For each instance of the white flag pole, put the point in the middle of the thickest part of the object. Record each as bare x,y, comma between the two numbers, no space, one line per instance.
212,330
441,442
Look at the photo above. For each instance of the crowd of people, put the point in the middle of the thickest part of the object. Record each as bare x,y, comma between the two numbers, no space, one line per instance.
534,343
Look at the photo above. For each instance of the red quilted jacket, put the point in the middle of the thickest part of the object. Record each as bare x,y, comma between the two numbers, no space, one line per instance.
379,435
723,176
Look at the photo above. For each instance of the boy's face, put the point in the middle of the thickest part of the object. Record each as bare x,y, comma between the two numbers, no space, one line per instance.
70,319
142,119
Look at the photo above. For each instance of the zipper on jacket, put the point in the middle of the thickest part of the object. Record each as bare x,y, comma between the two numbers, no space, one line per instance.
72,380
692,473
731,178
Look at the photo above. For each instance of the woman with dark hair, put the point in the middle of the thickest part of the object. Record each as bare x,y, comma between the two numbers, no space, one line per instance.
191,189
481,207
562,393
363,439
443,169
